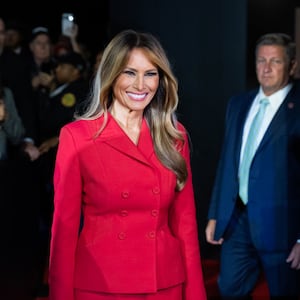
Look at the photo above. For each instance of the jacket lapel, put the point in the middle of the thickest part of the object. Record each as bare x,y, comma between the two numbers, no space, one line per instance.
116,138
279,123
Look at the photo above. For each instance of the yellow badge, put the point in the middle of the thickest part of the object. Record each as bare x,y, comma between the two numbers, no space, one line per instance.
68,100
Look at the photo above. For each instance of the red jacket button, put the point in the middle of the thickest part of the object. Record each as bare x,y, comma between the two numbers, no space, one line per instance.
122,235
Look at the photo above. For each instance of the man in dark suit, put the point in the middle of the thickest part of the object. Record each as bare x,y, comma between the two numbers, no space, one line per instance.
254,212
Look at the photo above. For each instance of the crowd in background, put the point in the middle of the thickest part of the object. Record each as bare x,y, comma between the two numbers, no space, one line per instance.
42,83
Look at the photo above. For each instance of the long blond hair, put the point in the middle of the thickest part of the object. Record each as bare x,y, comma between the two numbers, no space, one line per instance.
160,113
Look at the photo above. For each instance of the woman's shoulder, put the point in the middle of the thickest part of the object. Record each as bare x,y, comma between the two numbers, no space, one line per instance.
180,126
83,126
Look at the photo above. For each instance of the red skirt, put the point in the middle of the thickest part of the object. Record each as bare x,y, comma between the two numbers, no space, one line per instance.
174,293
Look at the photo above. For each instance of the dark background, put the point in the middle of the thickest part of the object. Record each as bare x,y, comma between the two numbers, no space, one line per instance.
210,45
91,16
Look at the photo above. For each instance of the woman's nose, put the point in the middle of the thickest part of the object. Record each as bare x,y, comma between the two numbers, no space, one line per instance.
139,82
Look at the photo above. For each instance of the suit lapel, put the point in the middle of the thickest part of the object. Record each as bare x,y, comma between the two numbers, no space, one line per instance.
280,121
116,138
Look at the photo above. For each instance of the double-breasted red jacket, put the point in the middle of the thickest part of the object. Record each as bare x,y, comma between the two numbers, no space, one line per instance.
118,224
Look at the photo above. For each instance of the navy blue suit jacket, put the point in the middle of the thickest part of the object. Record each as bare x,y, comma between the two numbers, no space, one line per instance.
274,180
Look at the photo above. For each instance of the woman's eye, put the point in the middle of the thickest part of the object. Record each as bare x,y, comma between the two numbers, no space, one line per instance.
128,72
150,74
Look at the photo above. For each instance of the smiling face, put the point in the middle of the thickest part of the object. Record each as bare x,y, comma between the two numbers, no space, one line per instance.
136,86
273,68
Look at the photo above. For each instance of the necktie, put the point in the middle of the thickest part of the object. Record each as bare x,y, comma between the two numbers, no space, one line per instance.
249,150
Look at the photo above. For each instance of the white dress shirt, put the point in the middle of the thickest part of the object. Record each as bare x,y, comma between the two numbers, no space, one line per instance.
276,100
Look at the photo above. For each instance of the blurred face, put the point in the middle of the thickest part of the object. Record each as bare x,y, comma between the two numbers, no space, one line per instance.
2,110
41,48
13,38
272,68
66,73
2,34
137,84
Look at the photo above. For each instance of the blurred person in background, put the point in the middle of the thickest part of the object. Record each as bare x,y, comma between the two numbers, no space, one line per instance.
19,221
42,62
16,38
15,70
11,126
68,42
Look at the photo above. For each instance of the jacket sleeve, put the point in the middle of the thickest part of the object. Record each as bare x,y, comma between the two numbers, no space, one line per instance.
66,218
13,125
222,168
185,228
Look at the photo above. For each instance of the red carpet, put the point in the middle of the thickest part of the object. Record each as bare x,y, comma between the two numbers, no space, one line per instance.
210,272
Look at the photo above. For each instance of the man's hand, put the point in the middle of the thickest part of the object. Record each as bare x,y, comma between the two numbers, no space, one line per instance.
48,144
294,257
210,232
32,151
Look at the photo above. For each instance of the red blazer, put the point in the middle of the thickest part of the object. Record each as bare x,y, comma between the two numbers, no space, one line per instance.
138,234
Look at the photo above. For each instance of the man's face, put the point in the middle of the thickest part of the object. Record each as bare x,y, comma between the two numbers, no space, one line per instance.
273,68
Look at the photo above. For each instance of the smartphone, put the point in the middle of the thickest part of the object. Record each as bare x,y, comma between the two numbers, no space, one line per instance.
67,23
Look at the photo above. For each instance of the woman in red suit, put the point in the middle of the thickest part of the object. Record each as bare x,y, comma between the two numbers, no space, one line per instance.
124,223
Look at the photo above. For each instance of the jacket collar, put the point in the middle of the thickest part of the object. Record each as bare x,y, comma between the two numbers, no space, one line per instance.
115,137
285,114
